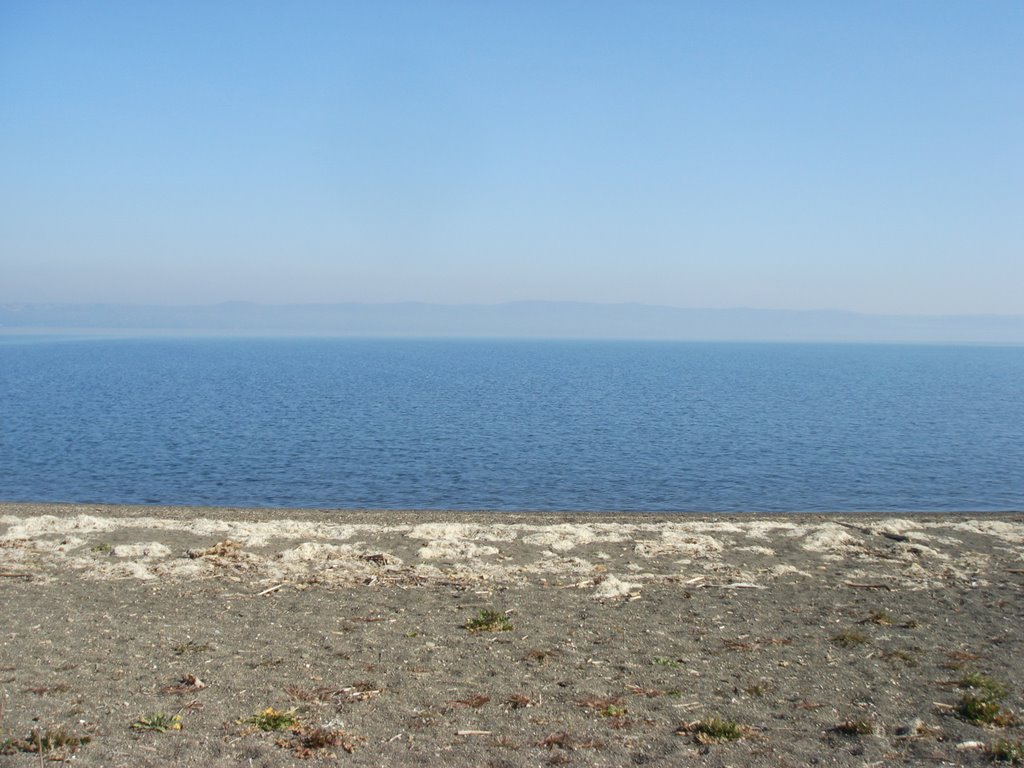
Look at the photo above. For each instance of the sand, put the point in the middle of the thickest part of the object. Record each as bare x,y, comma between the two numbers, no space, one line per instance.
623,634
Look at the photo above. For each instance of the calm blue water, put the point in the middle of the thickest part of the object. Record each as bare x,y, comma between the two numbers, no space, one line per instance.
512,425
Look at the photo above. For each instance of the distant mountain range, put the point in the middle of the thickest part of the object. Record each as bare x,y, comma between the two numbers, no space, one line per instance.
524,319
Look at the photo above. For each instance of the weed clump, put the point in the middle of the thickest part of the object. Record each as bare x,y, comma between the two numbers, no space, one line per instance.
271,719
849,638
57,743
904,655
986,686
191,646
160,722
855,728
982,711
1005,751
608,706
980,705
488,621
713,730
879,618
307,742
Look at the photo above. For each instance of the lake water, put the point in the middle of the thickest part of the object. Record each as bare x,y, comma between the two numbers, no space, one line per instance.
512,425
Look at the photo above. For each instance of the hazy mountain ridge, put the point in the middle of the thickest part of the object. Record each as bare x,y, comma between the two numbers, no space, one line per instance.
525,319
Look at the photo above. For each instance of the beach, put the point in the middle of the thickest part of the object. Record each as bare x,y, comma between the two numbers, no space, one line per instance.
152,636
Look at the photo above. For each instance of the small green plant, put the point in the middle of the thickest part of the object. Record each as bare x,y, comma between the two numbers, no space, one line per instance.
980,705
855,728
160,722
663,661
271,719
977,710
849,638
984,685
982,710
1005,751
604,706
102,548
713,730
489,621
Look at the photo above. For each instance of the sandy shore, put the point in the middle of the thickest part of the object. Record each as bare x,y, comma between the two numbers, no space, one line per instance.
829,640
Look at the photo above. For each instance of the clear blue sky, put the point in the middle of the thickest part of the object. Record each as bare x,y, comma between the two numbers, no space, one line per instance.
850,155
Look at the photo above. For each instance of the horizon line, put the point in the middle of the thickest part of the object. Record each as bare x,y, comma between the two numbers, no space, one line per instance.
16,305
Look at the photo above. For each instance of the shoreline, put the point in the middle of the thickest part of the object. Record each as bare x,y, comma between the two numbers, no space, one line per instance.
626,632
344,546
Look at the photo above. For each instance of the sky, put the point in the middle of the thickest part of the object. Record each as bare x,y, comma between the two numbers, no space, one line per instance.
863,156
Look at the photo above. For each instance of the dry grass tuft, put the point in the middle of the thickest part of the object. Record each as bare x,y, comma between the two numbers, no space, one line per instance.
52,743
488,621
714,730
849,638
474,702
859,727
271,719
306,743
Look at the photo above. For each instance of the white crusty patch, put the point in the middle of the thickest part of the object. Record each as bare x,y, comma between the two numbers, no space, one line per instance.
708,527
253,534
454,550
566,536
310,552
146,550
923,551
612,587
463,532
679,542
1012,533
764,530
80,539
830,539
767,552
898,525
785,570
50,524
127,569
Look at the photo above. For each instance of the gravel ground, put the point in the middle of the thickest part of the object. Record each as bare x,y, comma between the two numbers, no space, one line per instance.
617,640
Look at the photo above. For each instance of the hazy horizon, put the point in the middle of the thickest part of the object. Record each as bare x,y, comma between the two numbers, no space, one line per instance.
495,304
525,320
855,158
